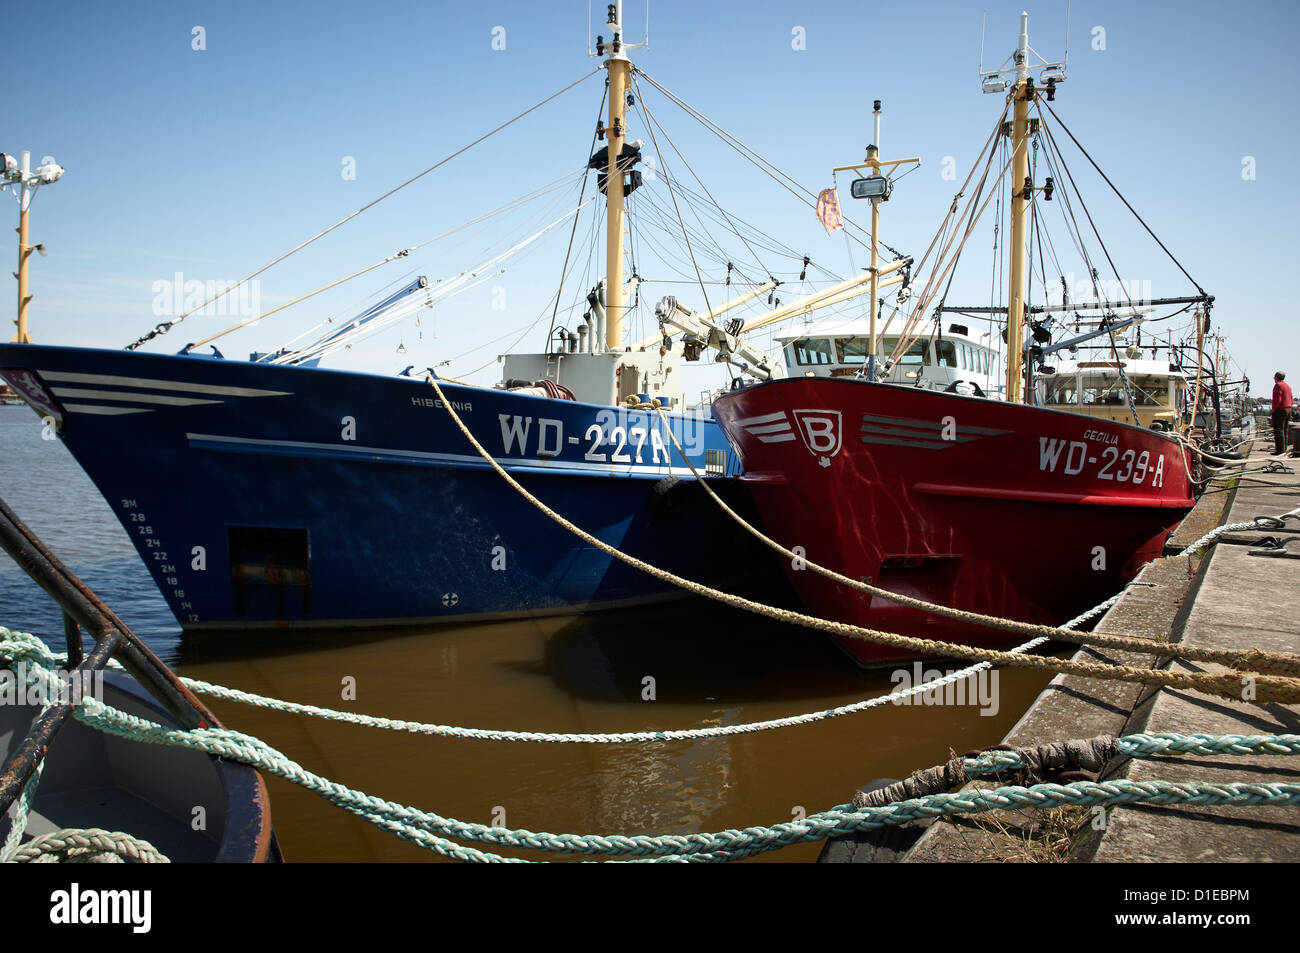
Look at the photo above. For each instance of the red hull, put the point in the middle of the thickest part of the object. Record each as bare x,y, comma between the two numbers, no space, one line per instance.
1003,509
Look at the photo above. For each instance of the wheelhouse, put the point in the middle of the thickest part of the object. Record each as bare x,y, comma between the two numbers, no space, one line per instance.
952,360
1160,393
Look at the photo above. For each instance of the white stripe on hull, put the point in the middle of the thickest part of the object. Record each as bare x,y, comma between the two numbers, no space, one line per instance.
69,377
131,397
104,410
765,419
509,463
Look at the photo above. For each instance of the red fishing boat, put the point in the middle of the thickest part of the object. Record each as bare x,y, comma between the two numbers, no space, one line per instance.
910,483
984,505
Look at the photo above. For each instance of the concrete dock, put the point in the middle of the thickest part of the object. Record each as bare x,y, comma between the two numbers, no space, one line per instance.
1226,597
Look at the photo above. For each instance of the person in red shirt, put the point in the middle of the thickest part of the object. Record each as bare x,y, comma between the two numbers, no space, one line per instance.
1281,411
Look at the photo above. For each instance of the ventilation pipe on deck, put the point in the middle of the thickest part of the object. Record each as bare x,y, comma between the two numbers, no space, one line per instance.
597,301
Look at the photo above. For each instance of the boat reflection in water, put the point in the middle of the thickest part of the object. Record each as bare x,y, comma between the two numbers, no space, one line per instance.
685,666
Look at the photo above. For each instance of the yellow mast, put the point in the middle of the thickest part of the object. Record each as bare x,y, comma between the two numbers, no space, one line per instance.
25,181
877,188
874,153
619,67
1200,365
1022,93
24,252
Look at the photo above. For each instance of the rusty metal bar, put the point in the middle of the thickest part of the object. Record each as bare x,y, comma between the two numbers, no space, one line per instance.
72,636
81,609
15,774
86,609
249,835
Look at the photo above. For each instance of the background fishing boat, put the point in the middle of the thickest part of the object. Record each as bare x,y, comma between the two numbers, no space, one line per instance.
992,506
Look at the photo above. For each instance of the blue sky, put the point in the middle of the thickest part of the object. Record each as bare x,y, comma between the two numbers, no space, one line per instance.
211,162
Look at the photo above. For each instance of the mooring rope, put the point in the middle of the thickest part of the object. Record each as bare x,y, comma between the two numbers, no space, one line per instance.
1206,455
1249,660
1272,466
1040,762
19,646
20,813
90,845
433,831
1258,689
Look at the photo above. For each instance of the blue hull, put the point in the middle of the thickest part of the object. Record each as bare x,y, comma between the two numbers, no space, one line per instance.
271,496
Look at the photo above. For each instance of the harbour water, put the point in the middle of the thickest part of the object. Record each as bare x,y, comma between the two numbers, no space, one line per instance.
684,665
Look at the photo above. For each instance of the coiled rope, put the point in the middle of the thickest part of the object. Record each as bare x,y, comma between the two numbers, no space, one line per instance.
90,845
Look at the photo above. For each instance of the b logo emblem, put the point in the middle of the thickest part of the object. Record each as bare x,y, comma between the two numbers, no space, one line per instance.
821,433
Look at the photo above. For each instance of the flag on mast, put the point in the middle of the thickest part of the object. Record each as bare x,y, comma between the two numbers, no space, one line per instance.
828,210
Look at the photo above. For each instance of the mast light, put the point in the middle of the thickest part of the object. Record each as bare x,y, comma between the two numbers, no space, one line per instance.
872,187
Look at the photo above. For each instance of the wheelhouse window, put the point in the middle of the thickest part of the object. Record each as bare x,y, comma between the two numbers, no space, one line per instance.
1150,391
947,353
918,353
1098,391
853,350
1109,391
810,351
1063,390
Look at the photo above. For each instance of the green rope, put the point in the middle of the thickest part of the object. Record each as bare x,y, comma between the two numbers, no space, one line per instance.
433,831
19,815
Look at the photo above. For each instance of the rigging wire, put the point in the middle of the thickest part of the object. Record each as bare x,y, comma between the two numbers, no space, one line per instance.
403,309
664,163
1066,129
919,308
1071,220
593,242
165,326
789,183
1087,214
996,271
582,192
404,253
651,119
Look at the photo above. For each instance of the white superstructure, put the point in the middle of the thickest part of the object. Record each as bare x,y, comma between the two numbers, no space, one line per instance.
950,358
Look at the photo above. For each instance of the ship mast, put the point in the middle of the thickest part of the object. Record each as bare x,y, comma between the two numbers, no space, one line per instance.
1022,94
25,181
1020,129
876,186
619,67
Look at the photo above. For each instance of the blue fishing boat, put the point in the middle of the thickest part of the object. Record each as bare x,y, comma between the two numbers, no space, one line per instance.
266,495
274,492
